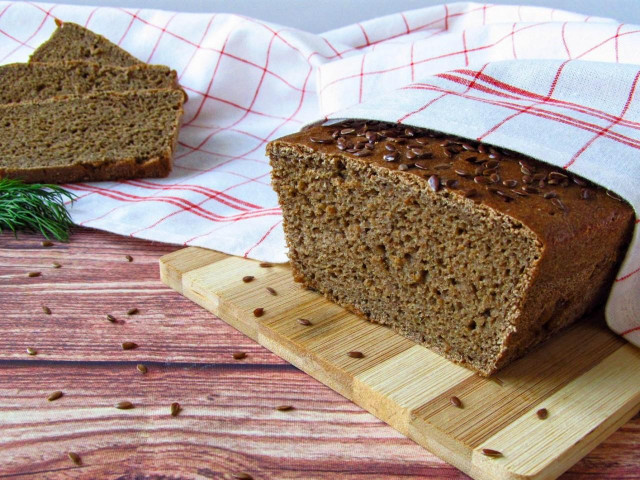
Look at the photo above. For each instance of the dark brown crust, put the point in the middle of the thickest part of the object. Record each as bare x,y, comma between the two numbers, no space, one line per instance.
120,170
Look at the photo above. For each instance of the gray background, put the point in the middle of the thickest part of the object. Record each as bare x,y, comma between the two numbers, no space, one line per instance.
320,15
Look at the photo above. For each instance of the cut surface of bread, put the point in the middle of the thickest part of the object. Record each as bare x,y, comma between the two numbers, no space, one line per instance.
20,82
71,41
100,136
473,251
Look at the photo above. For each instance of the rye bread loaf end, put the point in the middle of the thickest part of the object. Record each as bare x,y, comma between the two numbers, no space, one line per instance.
473,251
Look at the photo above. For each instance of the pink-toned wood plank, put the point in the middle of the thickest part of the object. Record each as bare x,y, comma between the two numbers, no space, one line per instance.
228,423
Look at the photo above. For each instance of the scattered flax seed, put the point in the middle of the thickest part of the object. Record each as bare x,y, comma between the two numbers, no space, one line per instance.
132,311
456,402
266,265
239,355
141,368
124,405
75,458
258,312
304,321
241,476
129,345
111,318
56,265
491,453
272,291
248,278
46,309
284,408
47,243
33,274
55,396
356,354
542,413
129,258
32,351
175,409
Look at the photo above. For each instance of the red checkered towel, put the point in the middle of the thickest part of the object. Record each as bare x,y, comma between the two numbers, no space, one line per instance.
493,73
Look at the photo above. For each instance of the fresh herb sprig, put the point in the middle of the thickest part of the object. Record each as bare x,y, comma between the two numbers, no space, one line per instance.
34,207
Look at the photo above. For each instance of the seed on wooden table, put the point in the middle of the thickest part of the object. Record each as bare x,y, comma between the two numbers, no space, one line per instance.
266,265
356,354
47,243
239,355
542,413
247,278
75,458
111,318
271,291
304,321
132,311
403,167
124,405
129,258
455,401
56,265
241,476
32,351
258,312
141,368
491,453
284,408
175,409
34,274
46,309
129,345
55,395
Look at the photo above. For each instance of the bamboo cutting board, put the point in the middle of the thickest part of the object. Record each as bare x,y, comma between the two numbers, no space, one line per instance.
587,378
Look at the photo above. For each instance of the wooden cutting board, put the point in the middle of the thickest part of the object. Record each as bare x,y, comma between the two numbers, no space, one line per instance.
587,378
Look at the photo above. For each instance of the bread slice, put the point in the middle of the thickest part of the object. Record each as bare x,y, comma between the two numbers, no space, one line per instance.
21,82
99,136
473,251
70,41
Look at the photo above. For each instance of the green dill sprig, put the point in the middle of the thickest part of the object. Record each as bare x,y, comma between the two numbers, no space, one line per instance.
34,207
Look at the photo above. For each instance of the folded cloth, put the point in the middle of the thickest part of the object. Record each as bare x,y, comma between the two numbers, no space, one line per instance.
557,86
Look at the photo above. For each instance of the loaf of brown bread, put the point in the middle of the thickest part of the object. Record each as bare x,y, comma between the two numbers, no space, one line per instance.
99,136
70,41
473,251
20,82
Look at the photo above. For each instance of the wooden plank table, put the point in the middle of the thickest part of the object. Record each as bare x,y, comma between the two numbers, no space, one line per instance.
228,422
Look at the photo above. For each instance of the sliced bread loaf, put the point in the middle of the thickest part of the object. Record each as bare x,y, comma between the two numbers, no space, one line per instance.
99,136
21,82
70,41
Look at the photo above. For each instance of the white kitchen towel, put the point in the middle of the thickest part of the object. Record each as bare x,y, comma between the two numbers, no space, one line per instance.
555,85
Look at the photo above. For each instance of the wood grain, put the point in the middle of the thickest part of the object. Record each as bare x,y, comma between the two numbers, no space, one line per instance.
228,422
411,388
